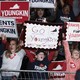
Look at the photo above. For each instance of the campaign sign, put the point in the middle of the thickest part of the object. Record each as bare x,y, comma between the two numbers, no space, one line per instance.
57,66
15,9
8,27
42,3
73,31
41,36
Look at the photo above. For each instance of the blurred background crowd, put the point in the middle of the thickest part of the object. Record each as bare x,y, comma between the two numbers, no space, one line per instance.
64,11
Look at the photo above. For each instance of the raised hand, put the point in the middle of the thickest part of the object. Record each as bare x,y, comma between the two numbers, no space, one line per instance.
3,37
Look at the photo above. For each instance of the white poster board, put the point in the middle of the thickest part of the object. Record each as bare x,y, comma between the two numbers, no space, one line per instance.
41,36
42,3
8,27
73,31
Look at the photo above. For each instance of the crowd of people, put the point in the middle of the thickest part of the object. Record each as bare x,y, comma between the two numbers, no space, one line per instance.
13,55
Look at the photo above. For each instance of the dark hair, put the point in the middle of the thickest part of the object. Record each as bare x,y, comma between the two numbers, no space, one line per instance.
36,14
46,12
40,50
67,5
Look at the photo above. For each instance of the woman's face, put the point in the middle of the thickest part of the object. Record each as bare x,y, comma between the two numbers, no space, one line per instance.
40,12
12,46
75,54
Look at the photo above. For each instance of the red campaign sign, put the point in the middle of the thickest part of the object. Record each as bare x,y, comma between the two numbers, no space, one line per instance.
18,10
57,66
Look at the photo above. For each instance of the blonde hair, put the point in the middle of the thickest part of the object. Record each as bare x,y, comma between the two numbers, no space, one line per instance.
75,50
18,48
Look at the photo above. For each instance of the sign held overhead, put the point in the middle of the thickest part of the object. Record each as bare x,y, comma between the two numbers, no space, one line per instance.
8,27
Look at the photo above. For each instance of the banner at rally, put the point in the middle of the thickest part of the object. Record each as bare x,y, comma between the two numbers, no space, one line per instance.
41,36
15,9
8,27
73,31
57,66
42,3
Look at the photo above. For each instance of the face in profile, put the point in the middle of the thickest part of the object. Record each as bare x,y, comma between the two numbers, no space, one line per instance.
40,12
40,56
12,46
75,54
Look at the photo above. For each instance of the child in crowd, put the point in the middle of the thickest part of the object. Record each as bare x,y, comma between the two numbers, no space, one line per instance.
39,63
72,60
41,57
12,59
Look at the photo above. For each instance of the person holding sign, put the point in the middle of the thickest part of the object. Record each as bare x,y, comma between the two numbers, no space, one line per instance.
72,60
12,59
65,14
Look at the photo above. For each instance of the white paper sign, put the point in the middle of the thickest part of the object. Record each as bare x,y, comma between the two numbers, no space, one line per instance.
41,36
42,3
8,27
73,31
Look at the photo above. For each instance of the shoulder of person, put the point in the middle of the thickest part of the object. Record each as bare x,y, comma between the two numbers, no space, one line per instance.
4,52
3,55
22,51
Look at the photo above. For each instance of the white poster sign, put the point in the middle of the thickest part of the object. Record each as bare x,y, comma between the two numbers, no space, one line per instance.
73,31
8,27
42,3
41,36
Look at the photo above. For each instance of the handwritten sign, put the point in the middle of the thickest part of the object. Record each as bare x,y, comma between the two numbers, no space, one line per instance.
73,31
8,27
42,3
41,36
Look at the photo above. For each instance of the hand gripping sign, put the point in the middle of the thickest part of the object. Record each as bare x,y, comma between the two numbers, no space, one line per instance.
41,36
